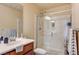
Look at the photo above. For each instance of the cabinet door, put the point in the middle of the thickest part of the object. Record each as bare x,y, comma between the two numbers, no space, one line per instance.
29,53
27,48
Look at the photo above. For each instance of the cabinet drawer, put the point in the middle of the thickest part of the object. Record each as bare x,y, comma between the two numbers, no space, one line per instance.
13,52
6,53
27,48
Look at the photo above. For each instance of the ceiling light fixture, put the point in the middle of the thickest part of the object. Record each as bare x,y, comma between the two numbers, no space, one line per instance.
47,18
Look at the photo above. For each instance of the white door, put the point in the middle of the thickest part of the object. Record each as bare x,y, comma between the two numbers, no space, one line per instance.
54,34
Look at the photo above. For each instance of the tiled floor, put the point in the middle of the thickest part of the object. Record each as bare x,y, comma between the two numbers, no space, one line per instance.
54,53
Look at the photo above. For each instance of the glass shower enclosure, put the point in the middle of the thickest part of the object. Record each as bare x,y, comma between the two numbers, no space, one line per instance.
52,33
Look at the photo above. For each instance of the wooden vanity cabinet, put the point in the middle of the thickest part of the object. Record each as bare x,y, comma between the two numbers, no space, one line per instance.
27,50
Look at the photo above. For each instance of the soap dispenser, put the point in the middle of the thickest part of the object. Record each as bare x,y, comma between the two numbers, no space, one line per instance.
6,40
1,39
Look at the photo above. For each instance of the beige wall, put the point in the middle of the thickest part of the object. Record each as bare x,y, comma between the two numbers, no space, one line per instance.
29,13
75,15
8,17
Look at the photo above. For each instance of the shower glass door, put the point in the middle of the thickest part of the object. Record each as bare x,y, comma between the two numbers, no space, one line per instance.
55,31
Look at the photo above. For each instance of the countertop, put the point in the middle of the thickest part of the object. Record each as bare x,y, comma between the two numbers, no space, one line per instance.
11,46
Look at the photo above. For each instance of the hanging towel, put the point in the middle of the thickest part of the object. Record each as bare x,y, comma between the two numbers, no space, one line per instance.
19,49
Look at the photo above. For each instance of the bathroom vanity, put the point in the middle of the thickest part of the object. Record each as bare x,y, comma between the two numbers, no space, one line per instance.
26,45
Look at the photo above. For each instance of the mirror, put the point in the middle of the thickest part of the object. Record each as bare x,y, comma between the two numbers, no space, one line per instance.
10,19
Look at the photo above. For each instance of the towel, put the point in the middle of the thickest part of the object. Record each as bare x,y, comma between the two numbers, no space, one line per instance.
19,49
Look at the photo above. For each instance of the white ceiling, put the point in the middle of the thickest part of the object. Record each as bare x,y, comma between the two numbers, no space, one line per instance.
17,6
50,5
